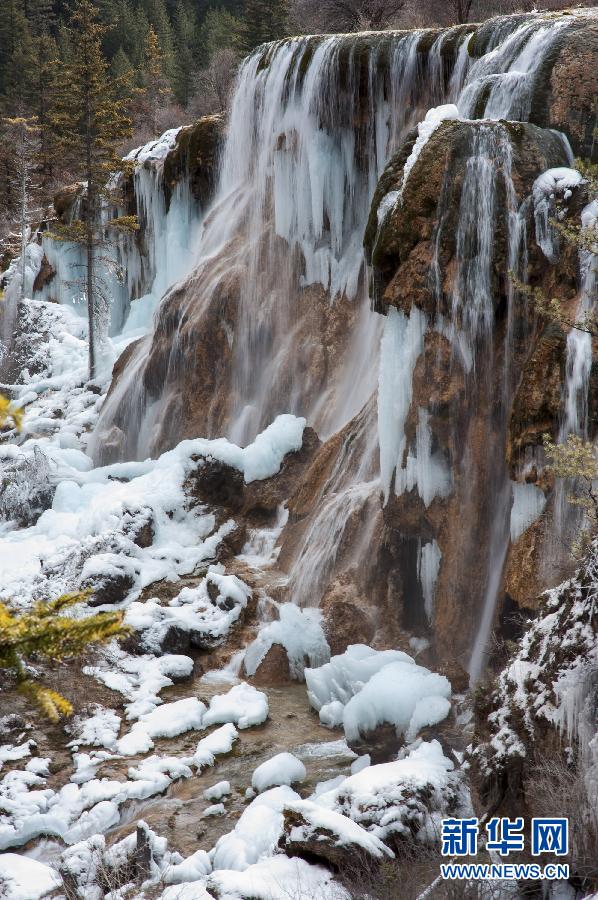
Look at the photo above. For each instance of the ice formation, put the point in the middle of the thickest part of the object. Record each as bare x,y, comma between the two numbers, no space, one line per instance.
299,632
364,688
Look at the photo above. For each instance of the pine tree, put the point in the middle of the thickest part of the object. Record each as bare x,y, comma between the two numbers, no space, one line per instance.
90,122
220,31
41,17
44,632
17,58
263,20
155,91
46,90
184,29
158,18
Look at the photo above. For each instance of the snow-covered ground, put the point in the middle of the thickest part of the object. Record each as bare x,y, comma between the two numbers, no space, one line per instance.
117,531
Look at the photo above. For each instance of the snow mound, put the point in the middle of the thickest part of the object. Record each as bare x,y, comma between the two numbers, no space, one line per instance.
257,832
362,689
284,768
193,868
300,633
277,878
100,729
218,742
217,791
168,720
243,705
23,878
400,798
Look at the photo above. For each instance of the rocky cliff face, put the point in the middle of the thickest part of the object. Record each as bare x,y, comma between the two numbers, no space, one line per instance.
485,408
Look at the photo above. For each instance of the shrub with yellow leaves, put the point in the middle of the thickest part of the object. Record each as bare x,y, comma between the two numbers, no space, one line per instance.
45,633
10,413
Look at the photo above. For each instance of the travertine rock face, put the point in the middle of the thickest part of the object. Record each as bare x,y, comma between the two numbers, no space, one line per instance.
488,421
570,98
196,157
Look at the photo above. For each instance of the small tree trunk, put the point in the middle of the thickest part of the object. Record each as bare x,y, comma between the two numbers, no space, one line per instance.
89,246
90,303
23,204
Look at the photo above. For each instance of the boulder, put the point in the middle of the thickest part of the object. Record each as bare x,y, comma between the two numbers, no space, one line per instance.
345,621
273,669
44,276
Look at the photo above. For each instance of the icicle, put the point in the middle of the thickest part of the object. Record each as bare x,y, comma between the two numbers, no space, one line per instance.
402,344
528,505
428,568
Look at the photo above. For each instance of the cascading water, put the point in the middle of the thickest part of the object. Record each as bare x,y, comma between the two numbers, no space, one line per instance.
313,123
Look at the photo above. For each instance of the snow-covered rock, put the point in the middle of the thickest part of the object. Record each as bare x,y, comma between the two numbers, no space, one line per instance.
139,678
273,879
168,720
257,832
284,768
217,791
547,684
205,618
311,828
299,631
551,188
243,705
23,878
363,688
400,798
218,742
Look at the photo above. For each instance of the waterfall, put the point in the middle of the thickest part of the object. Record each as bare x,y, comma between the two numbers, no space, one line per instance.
136,277
312,124
276,265
579,343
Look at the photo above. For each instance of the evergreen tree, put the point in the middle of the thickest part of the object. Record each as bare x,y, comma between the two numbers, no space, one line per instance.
17,58
45,92
46,633
121,71
41,17
264,20
155,90
158,19
184,29
220,31
90,122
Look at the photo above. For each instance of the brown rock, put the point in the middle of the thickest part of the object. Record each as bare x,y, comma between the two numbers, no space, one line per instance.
345,621
44,276
302,838
573,87
274,668
65,200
